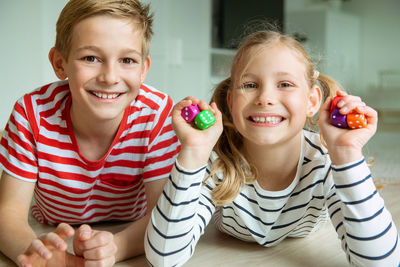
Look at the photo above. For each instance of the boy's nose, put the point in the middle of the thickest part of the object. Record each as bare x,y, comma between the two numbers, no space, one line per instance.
109,74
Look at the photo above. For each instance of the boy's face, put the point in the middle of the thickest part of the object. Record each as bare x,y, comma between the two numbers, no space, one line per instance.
105,67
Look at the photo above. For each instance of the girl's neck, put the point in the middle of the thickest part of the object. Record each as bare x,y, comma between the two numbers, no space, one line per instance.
93,137
277,164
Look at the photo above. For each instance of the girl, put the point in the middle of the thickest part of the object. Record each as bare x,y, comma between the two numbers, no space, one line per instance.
268,178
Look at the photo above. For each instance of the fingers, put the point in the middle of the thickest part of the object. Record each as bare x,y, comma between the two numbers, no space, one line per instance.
43,245
349,103
64,230
23,260
370,114
84,232
99,247
324,110
192,101
98,239
104,262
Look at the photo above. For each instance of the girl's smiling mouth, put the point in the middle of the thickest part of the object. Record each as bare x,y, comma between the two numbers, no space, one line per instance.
266,119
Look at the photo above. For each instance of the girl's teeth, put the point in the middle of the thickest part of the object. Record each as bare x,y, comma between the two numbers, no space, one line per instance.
272,120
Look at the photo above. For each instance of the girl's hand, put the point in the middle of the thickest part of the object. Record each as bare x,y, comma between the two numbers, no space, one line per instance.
50,250
345,145
196,144
96,247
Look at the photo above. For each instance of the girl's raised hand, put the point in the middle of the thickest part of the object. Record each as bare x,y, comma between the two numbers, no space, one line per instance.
196,144
345,145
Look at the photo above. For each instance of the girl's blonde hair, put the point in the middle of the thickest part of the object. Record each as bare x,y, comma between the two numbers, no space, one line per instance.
78,10
231,163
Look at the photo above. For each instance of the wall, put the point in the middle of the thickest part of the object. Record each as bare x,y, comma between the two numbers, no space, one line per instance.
180,48
379,34
380,37
26,39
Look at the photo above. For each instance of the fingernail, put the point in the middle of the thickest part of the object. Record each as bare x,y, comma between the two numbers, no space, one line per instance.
341,103
344,110
85,234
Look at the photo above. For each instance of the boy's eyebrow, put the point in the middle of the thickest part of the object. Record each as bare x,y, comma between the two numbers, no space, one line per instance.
97,49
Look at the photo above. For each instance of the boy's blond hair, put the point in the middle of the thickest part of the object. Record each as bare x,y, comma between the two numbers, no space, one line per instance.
78,10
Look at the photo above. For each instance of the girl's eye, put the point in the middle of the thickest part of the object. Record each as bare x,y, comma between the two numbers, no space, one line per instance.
90,59
128,61
285,85
248,85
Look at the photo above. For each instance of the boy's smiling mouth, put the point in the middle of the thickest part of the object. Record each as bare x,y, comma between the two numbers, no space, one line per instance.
105,95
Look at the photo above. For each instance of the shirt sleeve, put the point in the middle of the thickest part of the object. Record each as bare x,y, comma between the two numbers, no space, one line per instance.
179,218
163,145
365,227
18,155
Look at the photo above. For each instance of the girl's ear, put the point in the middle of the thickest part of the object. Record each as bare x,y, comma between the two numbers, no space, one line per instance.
314,101
228,100
58,63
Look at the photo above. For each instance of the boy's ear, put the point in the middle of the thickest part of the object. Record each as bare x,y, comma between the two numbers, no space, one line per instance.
145,69
57,61
314,101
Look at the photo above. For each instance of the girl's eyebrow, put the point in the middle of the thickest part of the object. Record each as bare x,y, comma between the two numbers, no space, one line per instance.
283,73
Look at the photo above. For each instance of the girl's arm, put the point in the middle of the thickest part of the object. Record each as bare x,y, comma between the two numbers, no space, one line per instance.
364,226
185,206
179,218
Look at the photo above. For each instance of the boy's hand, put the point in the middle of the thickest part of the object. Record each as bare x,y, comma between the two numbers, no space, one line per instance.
96,247
196,144
345,145
50,250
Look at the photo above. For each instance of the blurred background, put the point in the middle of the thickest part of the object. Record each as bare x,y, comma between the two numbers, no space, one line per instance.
355,41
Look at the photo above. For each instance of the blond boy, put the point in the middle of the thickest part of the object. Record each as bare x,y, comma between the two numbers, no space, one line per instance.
95,146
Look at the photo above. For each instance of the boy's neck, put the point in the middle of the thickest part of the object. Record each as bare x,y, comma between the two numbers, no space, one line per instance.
94,138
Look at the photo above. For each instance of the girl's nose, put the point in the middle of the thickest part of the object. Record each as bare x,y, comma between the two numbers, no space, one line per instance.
266,96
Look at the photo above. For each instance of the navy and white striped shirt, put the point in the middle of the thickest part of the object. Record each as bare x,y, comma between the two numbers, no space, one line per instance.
346,194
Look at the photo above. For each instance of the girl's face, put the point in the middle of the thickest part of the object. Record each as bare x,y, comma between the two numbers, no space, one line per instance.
272,101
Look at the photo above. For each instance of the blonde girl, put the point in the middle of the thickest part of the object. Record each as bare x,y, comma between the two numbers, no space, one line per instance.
261,174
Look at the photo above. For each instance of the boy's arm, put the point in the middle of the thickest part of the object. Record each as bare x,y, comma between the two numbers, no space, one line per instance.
15,198
130,240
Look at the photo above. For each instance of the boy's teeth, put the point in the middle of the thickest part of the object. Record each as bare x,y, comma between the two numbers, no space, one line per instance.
272,120
105,96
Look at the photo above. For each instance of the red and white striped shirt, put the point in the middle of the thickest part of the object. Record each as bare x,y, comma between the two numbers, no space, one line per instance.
38,145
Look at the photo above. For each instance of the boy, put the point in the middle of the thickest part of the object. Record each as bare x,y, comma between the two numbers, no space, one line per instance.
93,147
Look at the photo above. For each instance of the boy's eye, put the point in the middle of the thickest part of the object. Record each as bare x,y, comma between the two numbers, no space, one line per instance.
248,85
90,59
128,60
